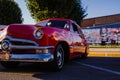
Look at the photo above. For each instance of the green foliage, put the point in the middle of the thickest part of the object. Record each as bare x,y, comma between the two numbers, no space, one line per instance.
10,12
43,9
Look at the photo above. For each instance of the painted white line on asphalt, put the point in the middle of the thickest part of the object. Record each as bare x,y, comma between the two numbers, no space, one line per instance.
99,68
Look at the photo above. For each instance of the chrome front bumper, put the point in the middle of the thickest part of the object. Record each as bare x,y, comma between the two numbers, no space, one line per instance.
27,57
42,54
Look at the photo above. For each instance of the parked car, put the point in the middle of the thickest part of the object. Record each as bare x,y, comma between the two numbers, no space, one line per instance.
54,40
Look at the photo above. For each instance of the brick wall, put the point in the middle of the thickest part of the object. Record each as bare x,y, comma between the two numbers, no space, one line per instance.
101,20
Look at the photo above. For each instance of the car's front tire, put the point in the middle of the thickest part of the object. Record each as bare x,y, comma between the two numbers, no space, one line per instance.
9,65
58,58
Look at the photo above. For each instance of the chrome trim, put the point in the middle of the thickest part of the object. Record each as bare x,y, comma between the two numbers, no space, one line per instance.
31,57
35,34
37,57
31,47
27,46
22,40
9,46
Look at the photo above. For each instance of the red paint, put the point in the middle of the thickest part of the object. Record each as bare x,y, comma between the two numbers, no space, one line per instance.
52,36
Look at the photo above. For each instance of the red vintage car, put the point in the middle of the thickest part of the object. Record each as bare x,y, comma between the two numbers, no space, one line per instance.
54,40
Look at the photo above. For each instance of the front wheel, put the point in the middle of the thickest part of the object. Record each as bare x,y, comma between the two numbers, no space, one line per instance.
9,65
59,58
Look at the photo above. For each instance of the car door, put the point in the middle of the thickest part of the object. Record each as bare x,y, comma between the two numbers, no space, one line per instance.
78,45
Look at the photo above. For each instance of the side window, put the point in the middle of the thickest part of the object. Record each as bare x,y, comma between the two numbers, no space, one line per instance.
74,28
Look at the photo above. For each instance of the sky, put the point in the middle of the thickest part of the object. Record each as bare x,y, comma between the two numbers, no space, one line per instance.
95,8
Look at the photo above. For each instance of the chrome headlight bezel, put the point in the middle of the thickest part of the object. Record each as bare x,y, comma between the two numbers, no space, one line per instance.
38,34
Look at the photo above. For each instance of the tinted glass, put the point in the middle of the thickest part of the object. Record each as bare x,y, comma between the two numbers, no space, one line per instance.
56,23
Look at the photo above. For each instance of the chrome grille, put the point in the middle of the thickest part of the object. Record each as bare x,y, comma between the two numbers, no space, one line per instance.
18,41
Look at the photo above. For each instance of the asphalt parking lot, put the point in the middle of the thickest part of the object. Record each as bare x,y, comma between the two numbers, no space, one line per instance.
92,68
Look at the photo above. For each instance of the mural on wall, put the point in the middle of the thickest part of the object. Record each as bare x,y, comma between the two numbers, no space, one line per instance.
103,34
92,35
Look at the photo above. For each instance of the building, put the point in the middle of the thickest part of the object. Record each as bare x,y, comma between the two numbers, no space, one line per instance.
102,30
110,19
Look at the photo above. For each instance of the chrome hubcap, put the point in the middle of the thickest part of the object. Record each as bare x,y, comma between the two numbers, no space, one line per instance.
60,57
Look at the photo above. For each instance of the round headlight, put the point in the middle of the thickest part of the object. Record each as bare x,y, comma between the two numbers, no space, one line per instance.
5,46
38,34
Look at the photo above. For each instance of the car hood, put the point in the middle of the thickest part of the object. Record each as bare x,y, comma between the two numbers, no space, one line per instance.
20,31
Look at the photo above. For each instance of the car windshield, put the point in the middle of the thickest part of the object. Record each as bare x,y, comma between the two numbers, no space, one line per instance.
56,23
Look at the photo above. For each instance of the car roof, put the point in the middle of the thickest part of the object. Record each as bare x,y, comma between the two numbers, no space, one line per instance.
66,19
62,19
56,19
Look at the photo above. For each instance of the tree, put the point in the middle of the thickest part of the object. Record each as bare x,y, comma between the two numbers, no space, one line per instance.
10,12
43,9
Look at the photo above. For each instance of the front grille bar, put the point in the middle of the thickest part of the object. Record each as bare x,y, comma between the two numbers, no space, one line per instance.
21,40
31,47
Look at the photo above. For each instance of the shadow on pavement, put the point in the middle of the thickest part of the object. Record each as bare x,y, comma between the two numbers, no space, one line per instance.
71,70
